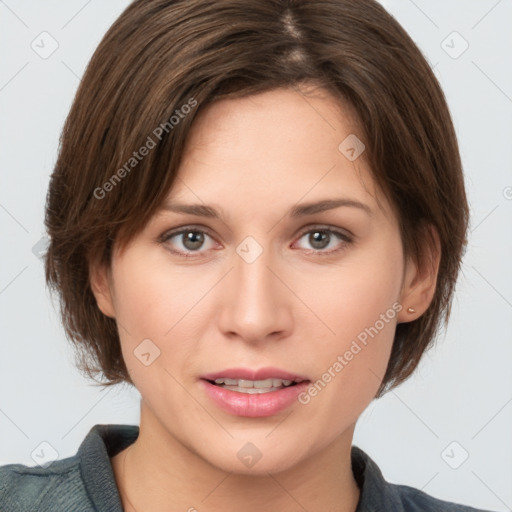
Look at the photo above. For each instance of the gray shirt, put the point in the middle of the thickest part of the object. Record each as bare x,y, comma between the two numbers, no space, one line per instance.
85,482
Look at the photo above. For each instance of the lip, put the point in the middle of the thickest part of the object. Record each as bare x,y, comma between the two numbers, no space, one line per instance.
259,374
254,405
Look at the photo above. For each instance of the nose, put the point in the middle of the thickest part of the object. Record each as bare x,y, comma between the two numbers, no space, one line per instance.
256,304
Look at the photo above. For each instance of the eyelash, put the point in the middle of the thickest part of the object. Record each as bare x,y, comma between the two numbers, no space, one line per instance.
342,236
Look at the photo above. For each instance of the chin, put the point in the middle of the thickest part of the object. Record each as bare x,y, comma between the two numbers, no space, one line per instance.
255,458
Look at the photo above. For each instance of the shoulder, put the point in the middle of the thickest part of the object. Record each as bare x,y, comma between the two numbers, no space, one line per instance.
414,500
378,494
25,488
84,482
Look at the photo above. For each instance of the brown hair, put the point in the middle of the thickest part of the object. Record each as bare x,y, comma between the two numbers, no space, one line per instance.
161,55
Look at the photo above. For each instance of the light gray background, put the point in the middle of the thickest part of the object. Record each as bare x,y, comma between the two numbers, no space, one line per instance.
462,391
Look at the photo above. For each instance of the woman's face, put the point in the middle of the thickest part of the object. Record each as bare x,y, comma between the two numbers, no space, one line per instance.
269,286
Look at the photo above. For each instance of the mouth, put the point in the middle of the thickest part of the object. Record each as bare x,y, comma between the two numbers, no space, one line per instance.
254,393
253,387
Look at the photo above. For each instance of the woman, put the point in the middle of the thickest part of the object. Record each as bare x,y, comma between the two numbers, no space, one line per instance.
256,218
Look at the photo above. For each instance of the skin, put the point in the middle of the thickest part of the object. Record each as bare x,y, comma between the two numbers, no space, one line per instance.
295,307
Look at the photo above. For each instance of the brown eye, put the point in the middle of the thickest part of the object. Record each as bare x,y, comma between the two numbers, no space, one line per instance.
192,240
187,241
319,239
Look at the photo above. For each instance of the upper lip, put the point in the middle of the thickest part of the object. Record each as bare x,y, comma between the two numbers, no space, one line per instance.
258,374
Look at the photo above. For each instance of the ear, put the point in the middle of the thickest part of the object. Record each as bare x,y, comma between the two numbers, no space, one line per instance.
101,286
420,278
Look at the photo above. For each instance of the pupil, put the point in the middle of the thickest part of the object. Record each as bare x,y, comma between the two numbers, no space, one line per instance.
318,239
193,240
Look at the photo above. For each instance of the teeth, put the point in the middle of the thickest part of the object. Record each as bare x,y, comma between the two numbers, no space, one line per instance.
256,384
268,383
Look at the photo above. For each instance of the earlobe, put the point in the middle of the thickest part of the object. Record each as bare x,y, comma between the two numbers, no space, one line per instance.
420,279
99,279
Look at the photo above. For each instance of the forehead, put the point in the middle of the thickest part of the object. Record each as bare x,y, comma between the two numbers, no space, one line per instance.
275,148
282,118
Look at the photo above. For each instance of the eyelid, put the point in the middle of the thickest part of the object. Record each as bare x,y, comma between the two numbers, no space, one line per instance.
344,236
180,229
171,233
206,230
323,227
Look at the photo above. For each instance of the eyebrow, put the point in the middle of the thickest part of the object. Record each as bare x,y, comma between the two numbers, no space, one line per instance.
300,210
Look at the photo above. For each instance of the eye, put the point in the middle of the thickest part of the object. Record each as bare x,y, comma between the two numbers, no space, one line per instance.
322,238
188,240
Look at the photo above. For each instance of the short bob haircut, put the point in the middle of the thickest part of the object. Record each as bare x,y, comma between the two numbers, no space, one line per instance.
163,61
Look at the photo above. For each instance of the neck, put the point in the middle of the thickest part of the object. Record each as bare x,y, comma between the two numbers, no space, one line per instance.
158,470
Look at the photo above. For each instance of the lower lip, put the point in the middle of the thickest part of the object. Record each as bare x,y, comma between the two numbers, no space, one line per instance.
254,405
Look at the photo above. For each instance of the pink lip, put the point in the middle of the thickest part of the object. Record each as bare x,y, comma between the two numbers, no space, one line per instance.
256,405
248,374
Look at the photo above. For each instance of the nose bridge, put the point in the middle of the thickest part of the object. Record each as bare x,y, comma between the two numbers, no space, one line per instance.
257,307
254,281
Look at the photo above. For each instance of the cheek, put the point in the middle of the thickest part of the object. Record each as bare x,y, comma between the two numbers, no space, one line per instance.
157,302
350,366
359,304
152,297
352,296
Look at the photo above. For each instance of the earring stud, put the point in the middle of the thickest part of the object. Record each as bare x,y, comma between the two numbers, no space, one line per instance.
411,310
